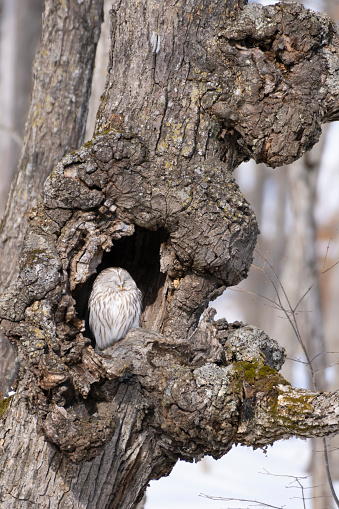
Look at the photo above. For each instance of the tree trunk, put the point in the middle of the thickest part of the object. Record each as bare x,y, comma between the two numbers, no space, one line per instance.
20,36
57,118
99,73
191,92
62,83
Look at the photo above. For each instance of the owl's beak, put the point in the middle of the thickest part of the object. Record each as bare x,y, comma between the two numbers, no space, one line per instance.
121,287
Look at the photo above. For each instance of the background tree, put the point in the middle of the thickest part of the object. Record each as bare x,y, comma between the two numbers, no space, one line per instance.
19,38
191,92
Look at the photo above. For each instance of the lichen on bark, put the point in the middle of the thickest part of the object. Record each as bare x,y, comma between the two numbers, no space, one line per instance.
153,192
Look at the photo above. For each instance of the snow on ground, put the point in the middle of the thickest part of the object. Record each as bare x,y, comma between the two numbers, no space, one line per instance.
242,473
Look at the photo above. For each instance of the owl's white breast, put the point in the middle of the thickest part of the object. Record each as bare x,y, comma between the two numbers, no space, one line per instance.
113,314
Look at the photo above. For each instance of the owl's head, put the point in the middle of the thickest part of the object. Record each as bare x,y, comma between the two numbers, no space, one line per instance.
116,278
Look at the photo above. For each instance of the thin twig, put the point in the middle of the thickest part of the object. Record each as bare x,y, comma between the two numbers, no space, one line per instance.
315,282
296,479
230,499
328,472
290,314
327,250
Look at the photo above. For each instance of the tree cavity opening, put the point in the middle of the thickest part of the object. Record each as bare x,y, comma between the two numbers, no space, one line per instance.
139,254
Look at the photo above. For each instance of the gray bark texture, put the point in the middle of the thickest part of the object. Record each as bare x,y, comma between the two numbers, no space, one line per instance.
62,77
20,29
192,90
62,74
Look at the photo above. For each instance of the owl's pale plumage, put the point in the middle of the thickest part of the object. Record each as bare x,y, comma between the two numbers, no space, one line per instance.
114,306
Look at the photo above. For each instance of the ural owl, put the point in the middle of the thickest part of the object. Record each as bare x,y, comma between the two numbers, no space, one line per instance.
114,306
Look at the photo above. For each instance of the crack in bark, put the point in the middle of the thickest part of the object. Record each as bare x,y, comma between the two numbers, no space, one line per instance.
176,219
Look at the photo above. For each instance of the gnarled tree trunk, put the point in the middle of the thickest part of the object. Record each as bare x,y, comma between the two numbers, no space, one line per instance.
192,90
56,124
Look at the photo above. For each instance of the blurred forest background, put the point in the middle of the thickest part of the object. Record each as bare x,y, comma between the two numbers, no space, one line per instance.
297,209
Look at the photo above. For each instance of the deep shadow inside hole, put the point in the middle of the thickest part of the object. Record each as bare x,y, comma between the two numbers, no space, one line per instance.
139,255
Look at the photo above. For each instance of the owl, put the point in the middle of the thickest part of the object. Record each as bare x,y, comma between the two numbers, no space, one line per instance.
114,306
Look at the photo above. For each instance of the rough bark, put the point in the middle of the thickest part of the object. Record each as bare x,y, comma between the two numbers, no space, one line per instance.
191,92
20,35
300,273
56,121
